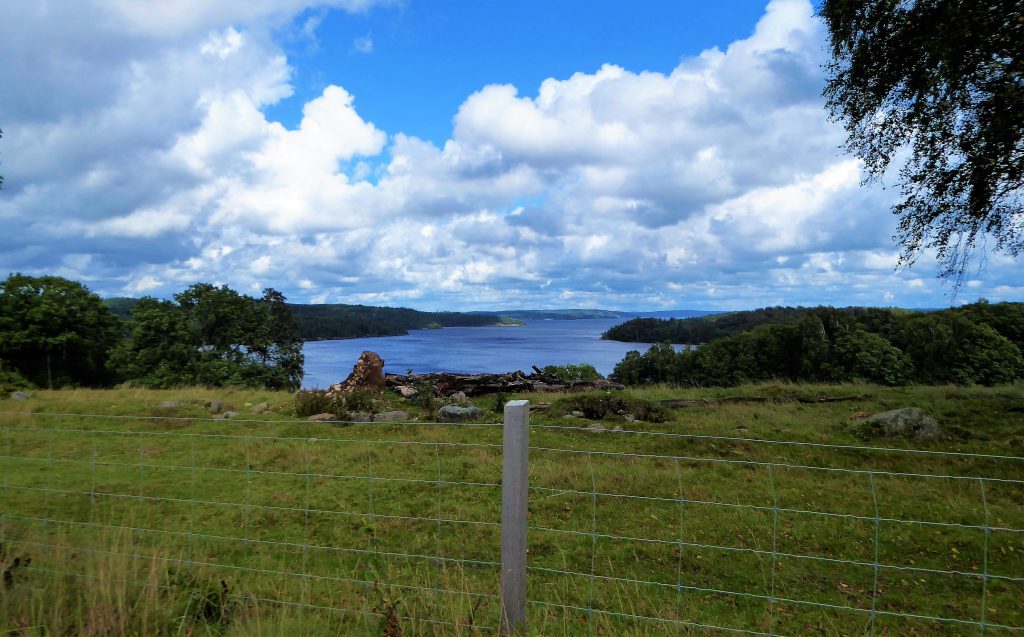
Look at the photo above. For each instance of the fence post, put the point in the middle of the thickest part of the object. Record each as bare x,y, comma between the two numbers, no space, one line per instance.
514,501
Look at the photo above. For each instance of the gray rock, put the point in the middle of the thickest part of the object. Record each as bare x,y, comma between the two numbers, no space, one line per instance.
454,413
576,414
321,417
170,404
19,395
908,422
229,414
391,416
406,391
360,416
458,398
260,408
597,428
214,406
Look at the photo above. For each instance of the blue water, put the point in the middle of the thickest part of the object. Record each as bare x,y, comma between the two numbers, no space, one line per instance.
472,350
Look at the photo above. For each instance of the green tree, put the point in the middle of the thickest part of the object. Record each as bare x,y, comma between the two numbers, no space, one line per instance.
160,350
212,336
55,332
865,356
942,80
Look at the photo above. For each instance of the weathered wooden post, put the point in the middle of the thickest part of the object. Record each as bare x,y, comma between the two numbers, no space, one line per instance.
514,502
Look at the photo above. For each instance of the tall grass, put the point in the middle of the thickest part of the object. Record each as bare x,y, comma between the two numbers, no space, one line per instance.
303,550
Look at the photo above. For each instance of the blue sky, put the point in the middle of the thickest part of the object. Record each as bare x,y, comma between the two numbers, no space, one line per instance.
445,155
427,57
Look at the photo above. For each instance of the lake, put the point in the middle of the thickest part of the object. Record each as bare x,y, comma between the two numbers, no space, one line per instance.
472,350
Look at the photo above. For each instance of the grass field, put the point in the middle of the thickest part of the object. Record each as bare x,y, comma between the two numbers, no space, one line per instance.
138,519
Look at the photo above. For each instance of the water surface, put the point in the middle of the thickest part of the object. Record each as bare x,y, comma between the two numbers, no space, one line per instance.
472,350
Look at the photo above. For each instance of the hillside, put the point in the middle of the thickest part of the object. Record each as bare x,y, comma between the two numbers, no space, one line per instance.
979,343
336,321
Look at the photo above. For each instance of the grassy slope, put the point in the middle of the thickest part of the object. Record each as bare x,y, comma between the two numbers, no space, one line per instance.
269,510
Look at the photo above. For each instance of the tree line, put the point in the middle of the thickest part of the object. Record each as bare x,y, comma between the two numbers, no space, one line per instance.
55,332
979,343
330,321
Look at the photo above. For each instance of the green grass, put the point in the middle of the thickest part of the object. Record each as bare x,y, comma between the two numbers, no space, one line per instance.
197,523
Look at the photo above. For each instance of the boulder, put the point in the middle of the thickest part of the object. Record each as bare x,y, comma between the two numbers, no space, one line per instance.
214,406
455,413
391,416
458,398
908,422
405,391
321,417
367,373
260,408
359,416
19,395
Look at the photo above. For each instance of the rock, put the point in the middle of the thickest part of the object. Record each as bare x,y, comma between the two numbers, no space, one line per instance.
260,408
458,398
359,416
908,422
367,373
406,391
19,395
630,418
214,406
170,404
597,428
321,417
227,415
453,413
391,416
576,413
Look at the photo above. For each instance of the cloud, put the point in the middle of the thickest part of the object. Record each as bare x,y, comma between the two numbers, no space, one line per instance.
363,44
148,162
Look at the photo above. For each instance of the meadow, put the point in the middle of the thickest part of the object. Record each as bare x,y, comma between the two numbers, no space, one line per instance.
119,516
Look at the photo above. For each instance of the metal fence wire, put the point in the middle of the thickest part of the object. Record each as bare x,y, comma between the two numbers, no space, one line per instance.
633,532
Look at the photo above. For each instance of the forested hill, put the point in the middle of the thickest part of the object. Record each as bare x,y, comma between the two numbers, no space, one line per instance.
979,343
704,329
336,321
332,321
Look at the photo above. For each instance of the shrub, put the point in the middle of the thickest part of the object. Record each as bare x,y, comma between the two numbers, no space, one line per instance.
610,407
583,371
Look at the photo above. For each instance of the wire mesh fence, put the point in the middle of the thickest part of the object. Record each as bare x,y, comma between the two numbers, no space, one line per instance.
363,521
724,535
636,532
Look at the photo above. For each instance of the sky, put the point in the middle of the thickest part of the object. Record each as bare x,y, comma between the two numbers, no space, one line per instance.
443,154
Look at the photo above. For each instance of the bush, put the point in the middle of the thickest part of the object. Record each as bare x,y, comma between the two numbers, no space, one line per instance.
610,407
342,406
583,371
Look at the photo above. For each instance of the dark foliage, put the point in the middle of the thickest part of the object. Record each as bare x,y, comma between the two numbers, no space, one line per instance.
974,344
610,407
334,321
211,336
55,332
704,329
944,80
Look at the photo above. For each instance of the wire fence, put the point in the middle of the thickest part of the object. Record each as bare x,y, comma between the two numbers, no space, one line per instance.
636,532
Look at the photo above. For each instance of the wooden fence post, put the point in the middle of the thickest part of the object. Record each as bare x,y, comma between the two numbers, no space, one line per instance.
514,502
